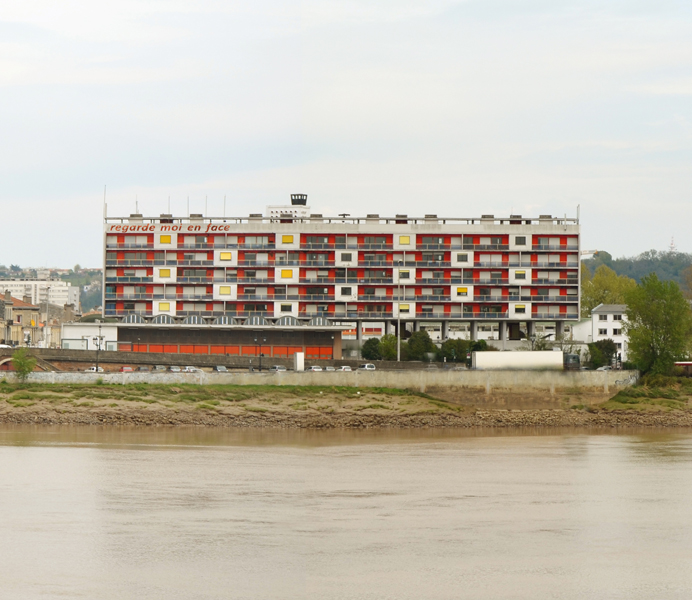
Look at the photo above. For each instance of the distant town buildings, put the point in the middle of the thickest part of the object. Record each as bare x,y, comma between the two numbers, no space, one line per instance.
52,291
19,321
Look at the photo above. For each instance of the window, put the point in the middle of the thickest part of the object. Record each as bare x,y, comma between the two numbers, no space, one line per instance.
225,255
618,346
164,272
345,291
462,291
602,332
225,290
519,274
404,240
520,309
286,239
404,308
617,331
462,258
602,317
286,307
346,256
520,240
165,239
617,317
286,273
404,274
164,306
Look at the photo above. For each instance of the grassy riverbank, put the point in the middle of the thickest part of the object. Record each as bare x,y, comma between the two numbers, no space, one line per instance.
656,403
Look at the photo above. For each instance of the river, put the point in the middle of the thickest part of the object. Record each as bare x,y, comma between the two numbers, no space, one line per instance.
216,514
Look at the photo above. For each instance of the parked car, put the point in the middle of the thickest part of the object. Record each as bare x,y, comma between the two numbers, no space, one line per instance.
277,369
344,368
330,368
142,369
605,368
125,369
314,368
366,367
94,370
174,369
191,369
220,369
159,368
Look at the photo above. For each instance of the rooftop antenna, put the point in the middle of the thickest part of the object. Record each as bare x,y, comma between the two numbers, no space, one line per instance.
105,206
672,245
205,205
136,205
169,205
188,206
224,206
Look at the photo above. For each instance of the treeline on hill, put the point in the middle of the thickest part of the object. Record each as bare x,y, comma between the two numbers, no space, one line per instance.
668,266
606,280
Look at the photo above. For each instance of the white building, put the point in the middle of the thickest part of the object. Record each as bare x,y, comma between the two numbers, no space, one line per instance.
53,291
606,324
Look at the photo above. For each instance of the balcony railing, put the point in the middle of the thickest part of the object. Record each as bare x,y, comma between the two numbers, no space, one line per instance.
485,282
553,247
550,299
467,246
485,316
552,317
497,265
129,279
555,281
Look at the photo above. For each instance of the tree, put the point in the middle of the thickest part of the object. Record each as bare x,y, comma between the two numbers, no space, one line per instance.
23,364
371,349
605,287
388,347
419,344
453,351
601,353
659,323
686,277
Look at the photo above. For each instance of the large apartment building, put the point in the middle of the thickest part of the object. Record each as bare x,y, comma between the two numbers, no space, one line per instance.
290,263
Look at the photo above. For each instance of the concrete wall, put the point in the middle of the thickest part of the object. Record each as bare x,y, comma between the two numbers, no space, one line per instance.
488,382
518,360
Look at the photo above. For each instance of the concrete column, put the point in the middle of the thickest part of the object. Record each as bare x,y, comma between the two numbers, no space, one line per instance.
559,328
444,330
473,330
503,333
359,335
416,326
530,328
389,328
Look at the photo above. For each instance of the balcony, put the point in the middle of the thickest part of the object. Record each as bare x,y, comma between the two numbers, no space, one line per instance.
555,281
554,317
485,316
486,282
551,247
549,265
113,296
437,247
479,298
551,299
128,245
467,246
190,263
129,279
255,263
322,246
496,265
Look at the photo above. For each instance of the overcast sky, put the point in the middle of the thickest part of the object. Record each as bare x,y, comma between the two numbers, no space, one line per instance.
389,106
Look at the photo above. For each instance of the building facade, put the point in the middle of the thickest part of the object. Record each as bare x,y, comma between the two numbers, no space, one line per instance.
514,271
19,321
52,291
607,324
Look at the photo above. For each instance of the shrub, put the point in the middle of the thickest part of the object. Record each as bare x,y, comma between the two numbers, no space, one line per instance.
23,364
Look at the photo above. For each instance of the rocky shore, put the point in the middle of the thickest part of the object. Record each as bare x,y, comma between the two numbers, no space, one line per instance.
345,420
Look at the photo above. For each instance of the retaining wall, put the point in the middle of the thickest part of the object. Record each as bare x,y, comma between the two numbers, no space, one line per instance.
422,380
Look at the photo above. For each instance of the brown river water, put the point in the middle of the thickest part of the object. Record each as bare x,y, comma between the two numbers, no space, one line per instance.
210,514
